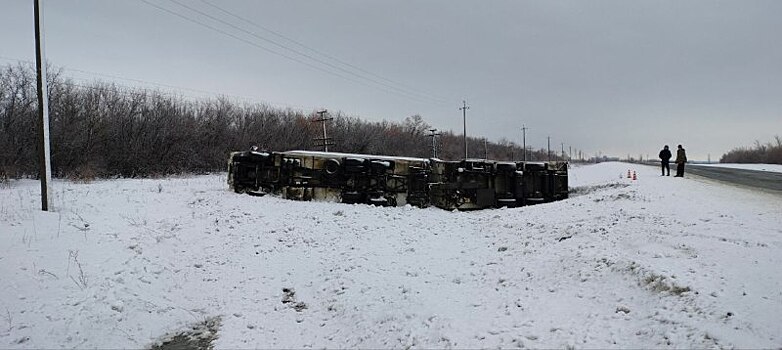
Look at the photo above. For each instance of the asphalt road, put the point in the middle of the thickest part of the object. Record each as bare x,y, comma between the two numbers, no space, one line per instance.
765,180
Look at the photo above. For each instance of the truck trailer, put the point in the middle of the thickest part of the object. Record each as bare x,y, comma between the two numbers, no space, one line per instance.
396,181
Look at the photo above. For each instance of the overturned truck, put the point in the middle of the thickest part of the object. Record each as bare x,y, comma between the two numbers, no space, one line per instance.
395,181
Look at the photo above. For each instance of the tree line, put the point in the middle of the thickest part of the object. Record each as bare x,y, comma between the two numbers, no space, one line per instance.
770,153
100,129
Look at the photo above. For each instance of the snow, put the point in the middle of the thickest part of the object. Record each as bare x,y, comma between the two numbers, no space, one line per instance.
358,157
657,262
776,168
262,154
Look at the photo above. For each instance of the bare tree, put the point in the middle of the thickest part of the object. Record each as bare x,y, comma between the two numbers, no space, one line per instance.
101,129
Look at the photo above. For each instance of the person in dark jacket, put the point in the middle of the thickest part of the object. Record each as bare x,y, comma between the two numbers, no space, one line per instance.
665,160
681,158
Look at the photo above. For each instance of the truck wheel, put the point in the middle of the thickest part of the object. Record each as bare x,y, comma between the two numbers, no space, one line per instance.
332,166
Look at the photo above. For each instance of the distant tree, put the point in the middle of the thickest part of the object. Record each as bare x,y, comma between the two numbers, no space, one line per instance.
770,152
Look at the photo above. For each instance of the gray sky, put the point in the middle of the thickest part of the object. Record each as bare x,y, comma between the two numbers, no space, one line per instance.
617,77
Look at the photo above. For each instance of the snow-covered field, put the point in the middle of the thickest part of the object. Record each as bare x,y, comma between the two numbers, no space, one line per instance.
775,168
657,262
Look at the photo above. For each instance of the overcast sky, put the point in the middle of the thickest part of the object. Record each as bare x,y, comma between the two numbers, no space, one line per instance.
617,77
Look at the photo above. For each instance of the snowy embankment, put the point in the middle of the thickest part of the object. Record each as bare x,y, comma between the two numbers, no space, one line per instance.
774,168
657,262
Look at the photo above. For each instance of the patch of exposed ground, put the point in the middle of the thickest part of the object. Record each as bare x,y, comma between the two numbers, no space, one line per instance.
583,190
200,336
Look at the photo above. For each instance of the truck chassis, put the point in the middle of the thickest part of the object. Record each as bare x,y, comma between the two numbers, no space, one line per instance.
395,181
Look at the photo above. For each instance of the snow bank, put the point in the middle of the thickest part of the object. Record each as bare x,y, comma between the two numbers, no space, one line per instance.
775,168
657,262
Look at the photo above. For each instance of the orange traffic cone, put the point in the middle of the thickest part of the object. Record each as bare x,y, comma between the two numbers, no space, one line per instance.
634,177
628,173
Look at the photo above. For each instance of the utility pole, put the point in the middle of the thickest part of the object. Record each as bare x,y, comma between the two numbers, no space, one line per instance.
563,150
43,111
569,153
524,141
433,135
464,109
327,141
548,142
485,149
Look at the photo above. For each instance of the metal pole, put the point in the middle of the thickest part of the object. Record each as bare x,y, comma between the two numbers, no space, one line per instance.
434,144
325,144
548,142
524,141
323,120
43,111
434,152
464,109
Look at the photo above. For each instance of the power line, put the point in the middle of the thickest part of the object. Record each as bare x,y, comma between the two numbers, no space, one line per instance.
130,91
295,59
158,85
174,88
434,96
403,91
241,39
138,80
100,86
65,82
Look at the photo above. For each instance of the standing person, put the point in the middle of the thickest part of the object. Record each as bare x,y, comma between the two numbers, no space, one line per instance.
681,158
665,159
